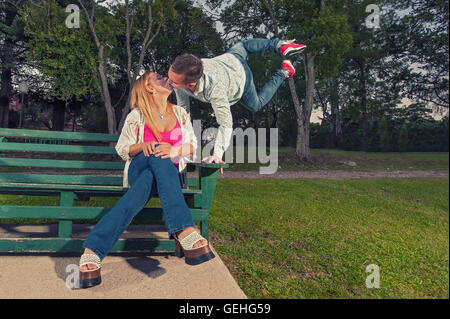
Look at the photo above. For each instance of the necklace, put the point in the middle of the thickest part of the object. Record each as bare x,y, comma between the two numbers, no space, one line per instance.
161,115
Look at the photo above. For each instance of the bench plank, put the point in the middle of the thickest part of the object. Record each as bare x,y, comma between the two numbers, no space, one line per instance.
91,189
49,163
84,212
54,148
58,135
61,179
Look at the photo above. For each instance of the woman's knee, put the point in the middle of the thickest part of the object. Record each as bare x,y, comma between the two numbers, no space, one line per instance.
137,165
144,176
158,160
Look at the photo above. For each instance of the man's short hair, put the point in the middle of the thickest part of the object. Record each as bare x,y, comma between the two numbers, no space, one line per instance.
190,66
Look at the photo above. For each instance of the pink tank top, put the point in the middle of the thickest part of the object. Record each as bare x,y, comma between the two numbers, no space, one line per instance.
173,137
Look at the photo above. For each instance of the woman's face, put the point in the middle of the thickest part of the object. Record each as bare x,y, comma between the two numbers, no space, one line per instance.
159,83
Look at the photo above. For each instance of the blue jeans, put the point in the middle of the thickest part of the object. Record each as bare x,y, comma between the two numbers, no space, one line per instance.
252,99
145,175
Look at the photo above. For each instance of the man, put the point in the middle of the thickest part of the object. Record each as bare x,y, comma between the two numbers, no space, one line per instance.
226,79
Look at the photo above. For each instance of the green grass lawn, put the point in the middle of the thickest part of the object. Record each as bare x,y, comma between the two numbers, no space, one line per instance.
330,159
315,238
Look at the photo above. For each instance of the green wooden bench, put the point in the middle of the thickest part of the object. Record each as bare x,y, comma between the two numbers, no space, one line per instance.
21,165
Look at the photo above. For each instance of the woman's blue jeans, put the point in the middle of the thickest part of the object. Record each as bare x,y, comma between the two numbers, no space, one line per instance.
146,175
255,100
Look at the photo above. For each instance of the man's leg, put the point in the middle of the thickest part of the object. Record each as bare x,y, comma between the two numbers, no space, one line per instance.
246,47
255,100
252,99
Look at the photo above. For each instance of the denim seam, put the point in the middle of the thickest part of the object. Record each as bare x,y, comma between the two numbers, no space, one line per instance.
175,229
171,234
164,203
95,250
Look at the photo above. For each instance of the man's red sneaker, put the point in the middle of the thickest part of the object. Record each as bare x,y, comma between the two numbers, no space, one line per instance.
287,68
288,48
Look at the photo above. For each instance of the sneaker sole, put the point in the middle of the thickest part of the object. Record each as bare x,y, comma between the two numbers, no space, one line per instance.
293,51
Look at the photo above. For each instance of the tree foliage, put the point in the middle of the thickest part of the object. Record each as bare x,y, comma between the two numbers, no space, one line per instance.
65,55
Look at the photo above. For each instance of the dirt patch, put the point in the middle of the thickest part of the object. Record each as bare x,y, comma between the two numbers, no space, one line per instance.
336,174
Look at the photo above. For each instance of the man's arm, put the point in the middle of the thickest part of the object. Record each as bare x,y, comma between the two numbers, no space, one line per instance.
222,111
183,99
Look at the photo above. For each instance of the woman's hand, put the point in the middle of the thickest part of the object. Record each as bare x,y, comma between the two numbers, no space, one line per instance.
148,148
165,150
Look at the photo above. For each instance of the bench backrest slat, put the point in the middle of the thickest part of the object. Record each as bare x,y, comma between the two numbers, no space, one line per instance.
54,148
58,135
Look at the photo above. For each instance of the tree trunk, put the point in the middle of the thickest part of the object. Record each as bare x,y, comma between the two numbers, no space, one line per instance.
5,95
58,115
6,56
110,113
336,138
303,116
364,119
303,151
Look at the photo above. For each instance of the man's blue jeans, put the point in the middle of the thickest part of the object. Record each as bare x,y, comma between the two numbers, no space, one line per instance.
145,175
252,99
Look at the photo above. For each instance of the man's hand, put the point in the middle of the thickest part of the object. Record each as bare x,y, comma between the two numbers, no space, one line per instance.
214,159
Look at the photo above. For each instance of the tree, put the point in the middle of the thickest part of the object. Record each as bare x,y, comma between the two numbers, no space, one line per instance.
385,136
65,55
105,28
320,24
12,52
424,37
134,16
403,139
192,32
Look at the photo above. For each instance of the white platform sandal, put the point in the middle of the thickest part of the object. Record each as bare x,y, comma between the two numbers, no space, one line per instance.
90,278
193,256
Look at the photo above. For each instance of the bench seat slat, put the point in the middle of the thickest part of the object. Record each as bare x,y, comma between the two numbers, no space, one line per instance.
83,212
87,188
51,148
70,179
61,179
49,163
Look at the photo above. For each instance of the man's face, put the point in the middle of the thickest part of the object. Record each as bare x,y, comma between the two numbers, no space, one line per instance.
177,80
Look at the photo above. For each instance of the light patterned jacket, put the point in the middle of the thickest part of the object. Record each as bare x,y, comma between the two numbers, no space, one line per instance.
133,132
222,84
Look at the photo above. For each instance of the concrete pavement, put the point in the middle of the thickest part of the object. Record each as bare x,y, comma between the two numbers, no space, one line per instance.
124,275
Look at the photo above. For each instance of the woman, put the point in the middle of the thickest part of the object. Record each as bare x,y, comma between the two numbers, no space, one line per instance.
156,141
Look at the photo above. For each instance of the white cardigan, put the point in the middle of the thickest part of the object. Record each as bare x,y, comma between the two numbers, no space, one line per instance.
128,137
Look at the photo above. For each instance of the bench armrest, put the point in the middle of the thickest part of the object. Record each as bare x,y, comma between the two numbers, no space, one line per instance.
208,165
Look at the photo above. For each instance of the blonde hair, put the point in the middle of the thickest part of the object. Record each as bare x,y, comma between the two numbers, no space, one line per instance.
140,99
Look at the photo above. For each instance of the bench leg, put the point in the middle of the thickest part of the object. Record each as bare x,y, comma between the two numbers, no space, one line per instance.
208,181
204,229
65,226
